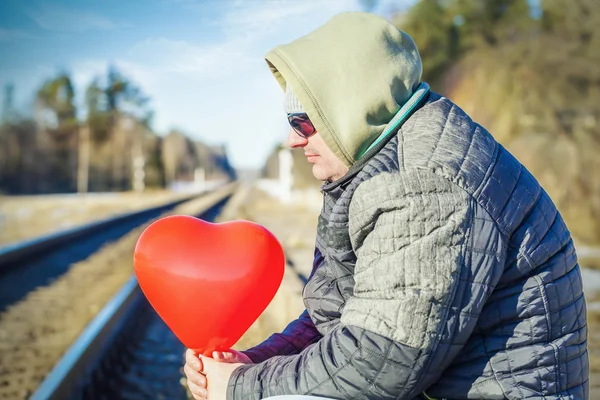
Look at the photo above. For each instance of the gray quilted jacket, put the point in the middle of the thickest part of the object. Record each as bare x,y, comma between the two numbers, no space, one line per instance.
441,266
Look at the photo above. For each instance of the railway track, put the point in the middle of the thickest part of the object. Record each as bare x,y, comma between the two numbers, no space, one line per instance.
50,291
34,263
126,352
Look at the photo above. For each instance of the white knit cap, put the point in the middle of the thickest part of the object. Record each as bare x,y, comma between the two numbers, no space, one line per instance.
292,105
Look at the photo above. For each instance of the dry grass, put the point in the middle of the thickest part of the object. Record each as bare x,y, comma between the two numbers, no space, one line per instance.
594,352
295,227
590,262
32,337
35,332
24,217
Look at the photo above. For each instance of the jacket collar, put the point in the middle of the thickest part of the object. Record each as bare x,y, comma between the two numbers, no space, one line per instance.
417,100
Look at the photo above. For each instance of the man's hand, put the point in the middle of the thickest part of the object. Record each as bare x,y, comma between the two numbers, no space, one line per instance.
218,371
201,370
194,372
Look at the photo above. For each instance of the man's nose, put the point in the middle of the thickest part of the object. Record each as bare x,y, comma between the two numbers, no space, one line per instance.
295,140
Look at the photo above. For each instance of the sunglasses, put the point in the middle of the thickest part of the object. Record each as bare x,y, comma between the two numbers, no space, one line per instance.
301,125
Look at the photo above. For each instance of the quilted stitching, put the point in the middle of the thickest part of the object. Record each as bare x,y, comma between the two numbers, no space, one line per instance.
505,319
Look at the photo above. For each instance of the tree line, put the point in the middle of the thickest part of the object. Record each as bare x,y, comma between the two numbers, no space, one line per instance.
529,72
107,145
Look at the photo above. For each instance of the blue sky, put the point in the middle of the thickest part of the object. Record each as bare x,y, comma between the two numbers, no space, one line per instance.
200,61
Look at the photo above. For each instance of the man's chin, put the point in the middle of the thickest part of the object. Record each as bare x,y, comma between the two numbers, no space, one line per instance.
319,174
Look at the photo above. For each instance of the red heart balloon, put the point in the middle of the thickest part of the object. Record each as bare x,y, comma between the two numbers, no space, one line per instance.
208,282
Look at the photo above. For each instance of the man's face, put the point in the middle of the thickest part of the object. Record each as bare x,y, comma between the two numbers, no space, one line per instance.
326,166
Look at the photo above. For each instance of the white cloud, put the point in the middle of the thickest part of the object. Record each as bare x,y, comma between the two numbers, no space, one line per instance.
209,61
244,25
246,18
57,18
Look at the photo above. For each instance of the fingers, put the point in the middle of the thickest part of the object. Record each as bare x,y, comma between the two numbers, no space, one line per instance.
231,356
222,356
192,359
241,357
198,392
195,377
196,380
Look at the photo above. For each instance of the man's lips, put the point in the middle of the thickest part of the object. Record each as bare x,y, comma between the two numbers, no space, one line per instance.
311,156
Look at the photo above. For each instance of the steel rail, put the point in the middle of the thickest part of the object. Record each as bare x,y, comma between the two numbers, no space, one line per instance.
122,321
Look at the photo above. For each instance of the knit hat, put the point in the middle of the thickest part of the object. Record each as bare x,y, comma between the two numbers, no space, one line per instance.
292,105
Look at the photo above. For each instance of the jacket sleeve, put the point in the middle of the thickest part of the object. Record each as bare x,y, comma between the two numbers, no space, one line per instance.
294,338
427,259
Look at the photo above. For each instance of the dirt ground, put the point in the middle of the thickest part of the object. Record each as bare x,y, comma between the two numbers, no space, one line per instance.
295,225
35,332
24,217
594,346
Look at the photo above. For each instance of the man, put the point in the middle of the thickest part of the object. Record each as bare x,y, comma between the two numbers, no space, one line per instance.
442,269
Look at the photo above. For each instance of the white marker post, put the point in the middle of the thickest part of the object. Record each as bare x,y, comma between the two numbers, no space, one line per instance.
199,179
286,178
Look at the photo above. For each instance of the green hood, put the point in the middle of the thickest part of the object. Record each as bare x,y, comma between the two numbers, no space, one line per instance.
351,76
